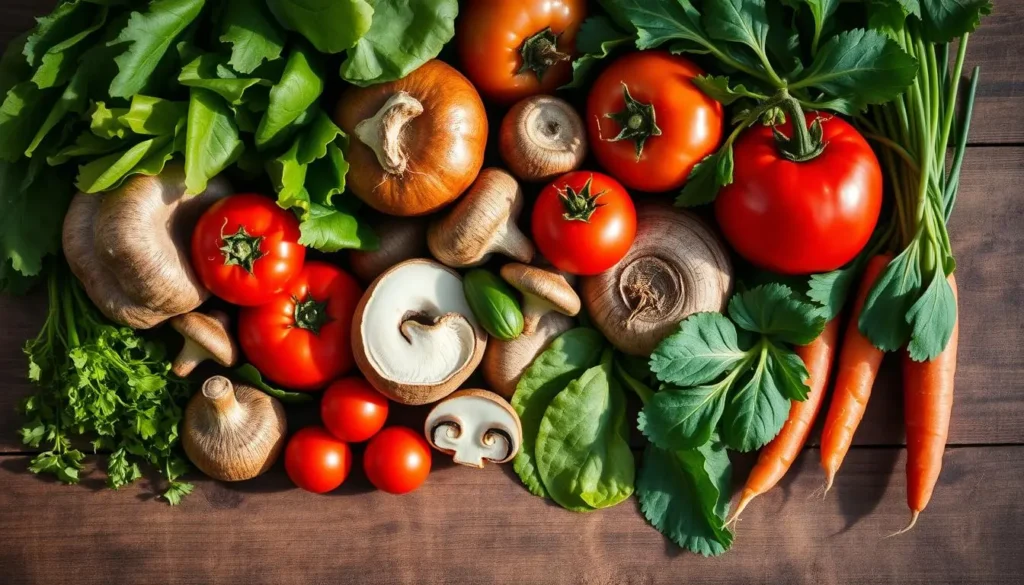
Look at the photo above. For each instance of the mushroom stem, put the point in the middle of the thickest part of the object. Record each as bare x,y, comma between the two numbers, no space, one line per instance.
534,310
221,394
513,243
190,356
383,132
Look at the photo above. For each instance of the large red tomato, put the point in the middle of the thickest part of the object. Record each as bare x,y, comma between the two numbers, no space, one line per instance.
584,222
801,217
301,339
397,460
511,49
648,123
245,249
316,461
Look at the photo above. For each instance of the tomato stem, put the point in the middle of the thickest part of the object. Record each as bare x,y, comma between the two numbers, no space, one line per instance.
540,52
241,249
636,122
580,206
310,314
806,142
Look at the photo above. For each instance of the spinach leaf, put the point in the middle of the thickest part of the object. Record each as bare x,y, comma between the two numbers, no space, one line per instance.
211,72
330,25
772,310
21,114
945,20
755,412
299,88
32,208
149,35
61,59
254,36
685,495
597,38
250,375
683,418
72,101
582,450
568,356
332,228
212,141
403,36
704,348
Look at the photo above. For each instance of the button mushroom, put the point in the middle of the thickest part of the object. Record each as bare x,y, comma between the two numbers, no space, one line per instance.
130,247
474,426
676,267
541,138
206,337
481,223
414,336
543,291
233,432
505,361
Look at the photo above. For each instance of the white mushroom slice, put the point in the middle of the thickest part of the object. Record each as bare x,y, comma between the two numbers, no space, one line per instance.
474,426
414,335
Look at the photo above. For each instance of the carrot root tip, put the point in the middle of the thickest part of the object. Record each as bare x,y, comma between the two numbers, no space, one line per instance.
913,520
747,497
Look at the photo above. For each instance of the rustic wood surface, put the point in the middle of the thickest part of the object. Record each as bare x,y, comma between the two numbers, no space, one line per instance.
466,526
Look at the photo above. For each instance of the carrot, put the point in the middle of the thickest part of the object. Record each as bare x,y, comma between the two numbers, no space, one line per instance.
859,361
928,404
777,456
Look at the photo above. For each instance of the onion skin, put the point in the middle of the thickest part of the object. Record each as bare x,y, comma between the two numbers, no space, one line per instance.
677,266
443,147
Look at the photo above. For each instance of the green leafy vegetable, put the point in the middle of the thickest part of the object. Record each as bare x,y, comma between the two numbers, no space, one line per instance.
597,38
212,142
254,36
148,36
330,25
250,375
299,88
331,228
32,207
211,72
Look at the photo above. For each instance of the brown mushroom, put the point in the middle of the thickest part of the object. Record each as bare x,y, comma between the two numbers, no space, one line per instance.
505,361
481,223
474,426
233,432
131,247
541,138
543,291
401,239
677,266
206,338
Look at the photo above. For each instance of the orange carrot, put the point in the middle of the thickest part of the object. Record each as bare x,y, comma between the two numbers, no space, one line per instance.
777,456
928,404
859,361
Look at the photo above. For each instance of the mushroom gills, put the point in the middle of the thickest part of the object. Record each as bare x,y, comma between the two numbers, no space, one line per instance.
474,429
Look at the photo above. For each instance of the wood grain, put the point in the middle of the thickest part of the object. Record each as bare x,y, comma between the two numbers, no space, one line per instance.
469,526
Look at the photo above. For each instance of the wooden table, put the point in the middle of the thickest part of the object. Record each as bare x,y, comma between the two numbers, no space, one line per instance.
471,526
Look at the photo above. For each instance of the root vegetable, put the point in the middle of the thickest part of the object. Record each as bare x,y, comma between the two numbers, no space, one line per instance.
414,335
401,239
206,337
130,247
482,223
474,426
543,291
542,137
505,361
418,142
676,267
233,432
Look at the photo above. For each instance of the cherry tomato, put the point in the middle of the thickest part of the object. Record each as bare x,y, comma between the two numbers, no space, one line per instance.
246,249
511,49
648,123
801,217
584,222
352,410
397,460
301,339
316,461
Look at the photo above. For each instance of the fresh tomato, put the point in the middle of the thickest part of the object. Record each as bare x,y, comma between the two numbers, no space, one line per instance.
397,460
246,249
801,217
584,222
301,339
511,49
648,123
316,461
352,410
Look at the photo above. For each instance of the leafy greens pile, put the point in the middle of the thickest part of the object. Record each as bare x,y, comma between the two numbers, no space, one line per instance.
101,90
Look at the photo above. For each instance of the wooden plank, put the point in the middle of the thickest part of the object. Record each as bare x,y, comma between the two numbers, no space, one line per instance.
998,47
468,526
990,381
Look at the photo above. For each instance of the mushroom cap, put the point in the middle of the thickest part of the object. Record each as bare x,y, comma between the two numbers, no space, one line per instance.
401,239
209,332
482,222
547,286
412,318
541,138
474,426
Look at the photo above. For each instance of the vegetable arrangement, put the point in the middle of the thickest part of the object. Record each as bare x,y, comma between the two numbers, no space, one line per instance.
817,130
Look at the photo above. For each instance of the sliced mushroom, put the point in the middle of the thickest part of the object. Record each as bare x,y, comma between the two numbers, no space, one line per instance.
542,137
481,223
414,336
543,291
474,426
206,337
401,239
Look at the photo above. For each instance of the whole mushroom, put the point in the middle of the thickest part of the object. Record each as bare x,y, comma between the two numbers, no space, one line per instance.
474,426
131,247
542,137
543,291
206,337
676,267
233,432
414,335
505,361
481,223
